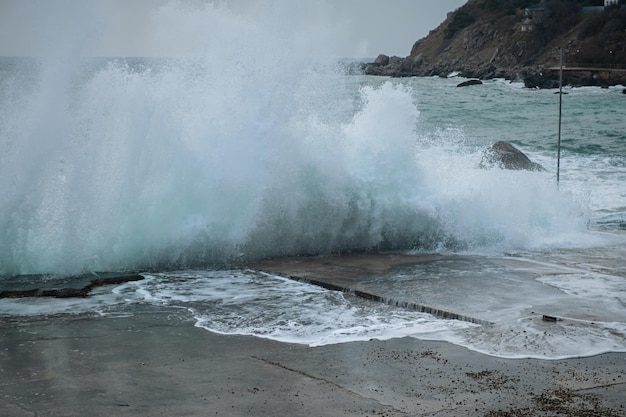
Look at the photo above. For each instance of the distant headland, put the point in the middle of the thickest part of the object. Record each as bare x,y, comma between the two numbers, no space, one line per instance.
519,40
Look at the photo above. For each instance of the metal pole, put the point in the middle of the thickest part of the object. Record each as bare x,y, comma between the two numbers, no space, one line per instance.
558,147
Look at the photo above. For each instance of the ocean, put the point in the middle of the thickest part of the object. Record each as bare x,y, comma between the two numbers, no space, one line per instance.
189,169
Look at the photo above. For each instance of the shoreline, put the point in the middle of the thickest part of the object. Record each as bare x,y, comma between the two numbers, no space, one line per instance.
527,305
532,76
153,362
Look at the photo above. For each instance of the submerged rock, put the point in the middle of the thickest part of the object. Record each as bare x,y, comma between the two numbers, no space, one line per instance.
469,82
504,155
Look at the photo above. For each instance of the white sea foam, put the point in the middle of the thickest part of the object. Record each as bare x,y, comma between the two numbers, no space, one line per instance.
250,303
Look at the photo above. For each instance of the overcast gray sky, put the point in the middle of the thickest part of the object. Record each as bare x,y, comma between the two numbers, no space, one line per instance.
357,28
391,27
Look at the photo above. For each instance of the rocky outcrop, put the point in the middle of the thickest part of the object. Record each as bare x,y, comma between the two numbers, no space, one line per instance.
538,80
506,156
487,39
394,66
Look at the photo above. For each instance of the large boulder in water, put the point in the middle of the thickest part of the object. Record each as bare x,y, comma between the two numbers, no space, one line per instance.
382,60
469,82
504,155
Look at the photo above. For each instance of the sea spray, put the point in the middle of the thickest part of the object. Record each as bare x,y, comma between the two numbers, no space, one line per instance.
152,173
242,143
355,185
130,164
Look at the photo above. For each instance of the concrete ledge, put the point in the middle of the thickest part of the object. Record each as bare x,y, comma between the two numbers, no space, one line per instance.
450,315
344,272
106,278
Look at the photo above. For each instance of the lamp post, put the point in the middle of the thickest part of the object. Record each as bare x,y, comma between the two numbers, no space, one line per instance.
558,146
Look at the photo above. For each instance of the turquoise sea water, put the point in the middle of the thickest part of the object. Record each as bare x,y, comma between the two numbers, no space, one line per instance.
187,168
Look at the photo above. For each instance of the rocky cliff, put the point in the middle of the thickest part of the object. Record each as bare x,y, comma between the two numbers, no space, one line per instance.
520,40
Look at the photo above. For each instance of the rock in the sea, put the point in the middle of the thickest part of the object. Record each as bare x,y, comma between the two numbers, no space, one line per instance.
504,155
539,80
381,60
469,82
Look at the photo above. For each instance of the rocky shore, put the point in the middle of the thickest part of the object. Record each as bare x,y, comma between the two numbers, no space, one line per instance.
485,39
531,76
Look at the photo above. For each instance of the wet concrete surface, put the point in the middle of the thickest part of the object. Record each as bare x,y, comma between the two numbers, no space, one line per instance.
155,363
152,361
476,289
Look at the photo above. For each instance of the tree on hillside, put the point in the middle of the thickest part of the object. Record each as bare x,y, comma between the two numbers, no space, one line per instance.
461,20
